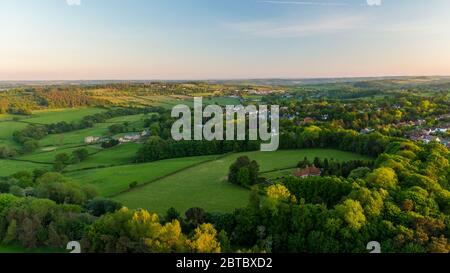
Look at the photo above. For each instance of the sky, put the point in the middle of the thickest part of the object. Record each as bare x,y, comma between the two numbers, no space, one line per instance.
222,39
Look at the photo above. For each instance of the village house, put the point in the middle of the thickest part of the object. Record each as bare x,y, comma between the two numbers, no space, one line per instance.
366,131
91,140
134,137
308,120
310,171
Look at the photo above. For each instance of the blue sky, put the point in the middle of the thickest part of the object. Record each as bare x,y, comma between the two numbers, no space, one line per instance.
211,39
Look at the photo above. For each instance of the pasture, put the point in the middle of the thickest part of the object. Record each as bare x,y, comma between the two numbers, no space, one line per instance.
75,137
9,167
7,128
48,157
205,185
67,115
113,180
119,155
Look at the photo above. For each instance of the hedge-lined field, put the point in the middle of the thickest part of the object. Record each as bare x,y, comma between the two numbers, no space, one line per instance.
205,185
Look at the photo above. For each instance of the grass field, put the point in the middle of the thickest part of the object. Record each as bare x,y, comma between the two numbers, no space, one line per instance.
169,102
131,119
113,180
222,101
119,155
205,185
75,137
9,167
67,115
48,157
6,117
7,128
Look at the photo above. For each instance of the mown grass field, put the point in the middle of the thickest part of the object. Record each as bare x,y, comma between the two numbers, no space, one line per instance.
113,180
205,185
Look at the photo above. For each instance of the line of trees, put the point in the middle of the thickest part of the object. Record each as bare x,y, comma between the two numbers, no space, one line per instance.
296,137
157,148
331,167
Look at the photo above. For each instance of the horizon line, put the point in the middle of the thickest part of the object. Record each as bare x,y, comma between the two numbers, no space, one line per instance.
225,79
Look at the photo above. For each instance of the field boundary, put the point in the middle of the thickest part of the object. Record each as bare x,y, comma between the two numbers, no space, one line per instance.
28,161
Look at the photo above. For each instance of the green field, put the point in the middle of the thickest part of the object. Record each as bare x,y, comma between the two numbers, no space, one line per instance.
113,180
119,155
67,115
75,137
48,157
169,102
131,119
9,167
205,185
7,128
6,117
222,101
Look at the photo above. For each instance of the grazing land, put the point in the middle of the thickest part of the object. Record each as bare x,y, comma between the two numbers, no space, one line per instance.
9,167
67,115
114,180
205,185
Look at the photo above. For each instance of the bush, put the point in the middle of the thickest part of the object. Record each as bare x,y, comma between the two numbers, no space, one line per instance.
109,144
100,206
243,172
16,191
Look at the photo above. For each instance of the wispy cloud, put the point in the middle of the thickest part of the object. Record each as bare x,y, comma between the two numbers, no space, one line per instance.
374,2
297,29
306,3
73,2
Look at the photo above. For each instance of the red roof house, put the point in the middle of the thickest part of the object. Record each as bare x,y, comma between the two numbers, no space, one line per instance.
308,172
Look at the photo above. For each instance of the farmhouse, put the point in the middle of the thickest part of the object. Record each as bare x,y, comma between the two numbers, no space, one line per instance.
308,120
366,131
308,172
91,139
134,137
